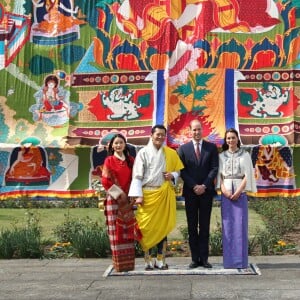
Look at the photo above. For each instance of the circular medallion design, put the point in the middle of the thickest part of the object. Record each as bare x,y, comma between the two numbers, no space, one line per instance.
124,78
267,76
285,128
285,76
276,76
114,78
131,132
105,79
259,76
275,129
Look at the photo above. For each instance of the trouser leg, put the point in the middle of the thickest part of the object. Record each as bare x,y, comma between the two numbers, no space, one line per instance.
161,255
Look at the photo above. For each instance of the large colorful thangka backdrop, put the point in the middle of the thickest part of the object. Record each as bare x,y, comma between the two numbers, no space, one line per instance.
73,72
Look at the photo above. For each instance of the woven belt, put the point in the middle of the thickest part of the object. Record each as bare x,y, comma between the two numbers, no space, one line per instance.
234,177
146,187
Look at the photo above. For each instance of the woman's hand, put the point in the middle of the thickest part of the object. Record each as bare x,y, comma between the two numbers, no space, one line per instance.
123,199
235,195
227,193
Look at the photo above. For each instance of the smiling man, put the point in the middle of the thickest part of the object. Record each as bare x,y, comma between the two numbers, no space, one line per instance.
201,162
155,171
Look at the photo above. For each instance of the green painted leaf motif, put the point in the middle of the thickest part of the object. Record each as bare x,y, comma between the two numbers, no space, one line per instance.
182,109
245,98
201,79
144,100
200,94
184,89
199,109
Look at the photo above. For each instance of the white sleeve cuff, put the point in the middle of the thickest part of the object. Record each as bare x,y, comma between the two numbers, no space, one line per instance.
136,188
175,175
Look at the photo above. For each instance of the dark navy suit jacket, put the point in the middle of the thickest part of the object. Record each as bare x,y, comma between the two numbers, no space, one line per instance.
202,172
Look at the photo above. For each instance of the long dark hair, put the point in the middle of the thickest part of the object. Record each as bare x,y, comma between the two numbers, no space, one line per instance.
111,151
225,145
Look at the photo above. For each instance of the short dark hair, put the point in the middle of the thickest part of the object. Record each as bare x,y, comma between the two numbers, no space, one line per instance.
158,126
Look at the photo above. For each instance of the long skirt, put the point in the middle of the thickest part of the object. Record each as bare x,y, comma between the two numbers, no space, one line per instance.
121,236
235,232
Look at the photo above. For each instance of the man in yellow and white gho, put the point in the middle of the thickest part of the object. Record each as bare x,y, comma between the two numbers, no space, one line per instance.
155,172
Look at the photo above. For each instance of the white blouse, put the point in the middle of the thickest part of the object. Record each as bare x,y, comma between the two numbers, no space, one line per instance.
233,167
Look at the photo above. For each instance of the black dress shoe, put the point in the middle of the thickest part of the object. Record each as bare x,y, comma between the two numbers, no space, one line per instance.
205,264
193,265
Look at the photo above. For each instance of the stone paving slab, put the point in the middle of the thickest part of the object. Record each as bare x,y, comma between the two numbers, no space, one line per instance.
83,279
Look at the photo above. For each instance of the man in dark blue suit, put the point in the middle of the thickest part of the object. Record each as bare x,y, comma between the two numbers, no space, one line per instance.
199,173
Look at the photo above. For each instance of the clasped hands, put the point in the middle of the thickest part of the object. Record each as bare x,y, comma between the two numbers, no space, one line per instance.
199,189
235,196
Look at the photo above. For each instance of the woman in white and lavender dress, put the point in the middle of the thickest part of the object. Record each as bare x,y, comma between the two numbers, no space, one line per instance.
235,178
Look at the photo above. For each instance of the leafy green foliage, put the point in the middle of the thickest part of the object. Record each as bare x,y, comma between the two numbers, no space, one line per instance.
88,238
280,215
184,89
39,65
72,53
22,242
201,79
195,87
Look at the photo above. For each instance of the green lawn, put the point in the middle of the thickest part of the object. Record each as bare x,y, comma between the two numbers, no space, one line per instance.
48,218
51,217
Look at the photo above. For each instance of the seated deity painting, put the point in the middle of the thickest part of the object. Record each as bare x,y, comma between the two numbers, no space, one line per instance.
53,106
28,165
55,22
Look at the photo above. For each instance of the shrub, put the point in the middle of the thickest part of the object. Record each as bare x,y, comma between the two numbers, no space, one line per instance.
215,241
184,232
280,215
26,202
22,242
88,238
28,243
91,241
7,247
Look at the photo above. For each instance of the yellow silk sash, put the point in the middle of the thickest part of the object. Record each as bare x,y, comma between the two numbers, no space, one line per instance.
157,216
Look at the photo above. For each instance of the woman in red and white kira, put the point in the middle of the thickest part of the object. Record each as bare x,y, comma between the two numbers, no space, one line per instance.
120,219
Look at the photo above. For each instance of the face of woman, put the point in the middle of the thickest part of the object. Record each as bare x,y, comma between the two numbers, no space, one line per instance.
118,145
232,140
51,84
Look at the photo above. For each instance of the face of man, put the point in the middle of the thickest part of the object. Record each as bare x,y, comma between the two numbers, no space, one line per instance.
196,129
158,137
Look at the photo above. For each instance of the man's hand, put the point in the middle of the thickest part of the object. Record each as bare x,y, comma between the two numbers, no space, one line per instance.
139,200
199,189
168,176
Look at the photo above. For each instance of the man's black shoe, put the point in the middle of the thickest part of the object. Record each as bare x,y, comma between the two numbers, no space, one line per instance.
205,264
193,265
